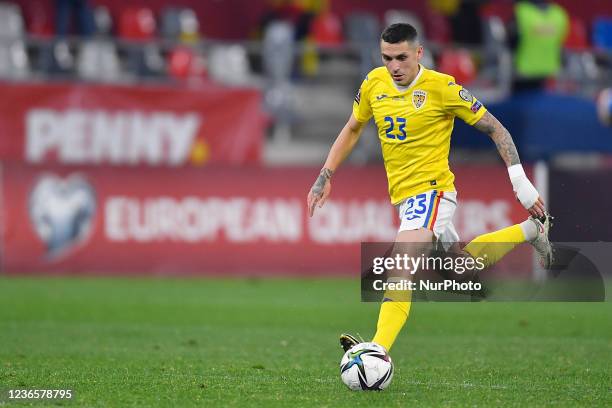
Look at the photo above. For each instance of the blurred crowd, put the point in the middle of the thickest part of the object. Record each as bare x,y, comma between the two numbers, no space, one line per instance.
496,46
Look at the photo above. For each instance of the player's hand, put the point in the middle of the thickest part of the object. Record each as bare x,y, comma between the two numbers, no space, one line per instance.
320,191
538,209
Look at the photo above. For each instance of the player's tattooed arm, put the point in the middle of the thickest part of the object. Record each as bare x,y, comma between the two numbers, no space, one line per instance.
319,184
319,190
502,138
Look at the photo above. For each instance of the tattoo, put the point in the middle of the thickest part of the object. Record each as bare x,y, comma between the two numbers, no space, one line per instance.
502,138
324,175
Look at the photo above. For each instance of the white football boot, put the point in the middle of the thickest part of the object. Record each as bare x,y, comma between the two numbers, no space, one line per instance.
541,243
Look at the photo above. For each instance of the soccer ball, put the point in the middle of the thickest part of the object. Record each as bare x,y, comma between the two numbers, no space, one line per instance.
366,366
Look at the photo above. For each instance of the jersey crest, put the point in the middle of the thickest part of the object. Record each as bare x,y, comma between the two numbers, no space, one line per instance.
418,98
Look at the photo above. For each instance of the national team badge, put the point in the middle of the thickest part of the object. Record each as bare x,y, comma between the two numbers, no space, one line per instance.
418,98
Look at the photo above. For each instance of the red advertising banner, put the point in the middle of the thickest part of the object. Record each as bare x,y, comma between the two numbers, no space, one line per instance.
214,220
85,124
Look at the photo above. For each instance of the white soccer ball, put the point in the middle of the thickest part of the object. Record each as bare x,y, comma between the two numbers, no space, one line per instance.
366,366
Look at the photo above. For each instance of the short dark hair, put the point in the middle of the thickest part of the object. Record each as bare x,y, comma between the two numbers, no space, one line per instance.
398,32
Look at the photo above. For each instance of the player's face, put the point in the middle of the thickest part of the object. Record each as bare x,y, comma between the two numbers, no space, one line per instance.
402,60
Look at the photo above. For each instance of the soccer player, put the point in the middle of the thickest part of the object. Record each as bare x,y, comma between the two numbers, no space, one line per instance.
414,110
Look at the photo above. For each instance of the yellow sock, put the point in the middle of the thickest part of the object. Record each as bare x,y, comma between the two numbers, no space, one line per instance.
395,308
393,314
495,245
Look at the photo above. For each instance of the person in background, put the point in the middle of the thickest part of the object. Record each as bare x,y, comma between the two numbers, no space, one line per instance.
461,14
83,16
539,32
300,14
297,12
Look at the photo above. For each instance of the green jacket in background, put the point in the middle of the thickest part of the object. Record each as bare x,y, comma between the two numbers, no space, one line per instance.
541,33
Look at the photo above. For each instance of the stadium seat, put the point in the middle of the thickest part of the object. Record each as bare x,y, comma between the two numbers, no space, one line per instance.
458,63
580,67
180,24
190,26
56,59
494,37
145,60
495,34
438,28
577,38
229,65
184,63
278,56
496,58
278,51
11,22
326,30
362,27
180,60
103,21
40,22
363,33
14,62
98,60
137,24
171,23
602,33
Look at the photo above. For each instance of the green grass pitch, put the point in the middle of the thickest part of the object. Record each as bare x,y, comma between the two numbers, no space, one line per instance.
250,342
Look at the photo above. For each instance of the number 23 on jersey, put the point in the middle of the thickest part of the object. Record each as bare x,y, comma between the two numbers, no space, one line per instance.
396,128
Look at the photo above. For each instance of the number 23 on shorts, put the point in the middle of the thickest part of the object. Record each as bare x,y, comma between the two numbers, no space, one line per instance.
417,211
415,207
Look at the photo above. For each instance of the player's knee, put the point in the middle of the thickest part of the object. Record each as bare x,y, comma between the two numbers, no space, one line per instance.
421,235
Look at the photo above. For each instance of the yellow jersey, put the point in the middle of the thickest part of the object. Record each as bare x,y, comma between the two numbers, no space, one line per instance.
414,124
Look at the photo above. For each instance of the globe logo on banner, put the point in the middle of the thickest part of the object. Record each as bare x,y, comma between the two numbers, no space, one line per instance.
62,211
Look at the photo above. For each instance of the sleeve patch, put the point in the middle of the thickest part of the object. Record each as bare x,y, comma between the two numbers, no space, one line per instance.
476,106
358,96
466,95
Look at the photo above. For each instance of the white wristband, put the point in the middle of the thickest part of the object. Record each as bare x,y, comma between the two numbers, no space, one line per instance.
516,170
525,191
